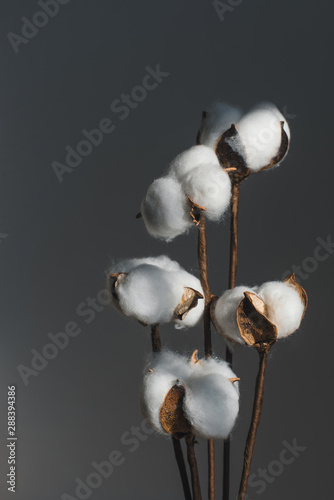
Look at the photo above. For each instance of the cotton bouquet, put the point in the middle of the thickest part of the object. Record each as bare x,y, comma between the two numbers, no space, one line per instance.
182,396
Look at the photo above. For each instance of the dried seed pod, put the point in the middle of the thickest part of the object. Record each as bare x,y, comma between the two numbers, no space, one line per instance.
188,301
171,414
255,328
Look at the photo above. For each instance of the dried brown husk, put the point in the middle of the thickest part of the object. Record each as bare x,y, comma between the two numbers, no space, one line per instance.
188,301
291,280
172,417
254,326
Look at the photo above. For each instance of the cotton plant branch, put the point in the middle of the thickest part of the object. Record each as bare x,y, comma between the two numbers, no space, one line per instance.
196,487
237,175
262,315
199,185
203,266
255,421
155,338
182,468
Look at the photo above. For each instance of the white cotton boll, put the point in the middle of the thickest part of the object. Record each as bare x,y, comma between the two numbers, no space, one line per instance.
166,209
151,288
211,405
219,119
225,312
284,307
260,135
147,295
167,367
192,158
210,187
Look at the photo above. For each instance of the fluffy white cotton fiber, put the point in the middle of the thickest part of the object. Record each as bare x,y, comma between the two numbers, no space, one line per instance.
167,367
210,187
166,209
162,261
260,135
151,288
283,307
190,159
203,180
211,401
219,119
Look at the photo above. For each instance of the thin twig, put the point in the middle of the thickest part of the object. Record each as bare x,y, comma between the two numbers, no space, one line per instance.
203,266
155,337
256,415
196,487
231,284
182,468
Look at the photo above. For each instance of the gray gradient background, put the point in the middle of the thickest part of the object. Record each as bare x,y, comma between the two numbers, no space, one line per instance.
62,236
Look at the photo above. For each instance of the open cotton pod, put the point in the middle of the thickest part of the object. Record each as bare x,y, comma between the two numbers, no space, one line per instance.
258,141
181,396
260,315
155,291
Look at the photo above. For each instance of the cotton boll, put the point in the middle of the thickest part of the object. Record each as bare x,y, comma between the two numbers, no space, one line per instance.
218,120
261,136
284,307
166,209
147,295
190,159
225,313
151,289
211,405
210,187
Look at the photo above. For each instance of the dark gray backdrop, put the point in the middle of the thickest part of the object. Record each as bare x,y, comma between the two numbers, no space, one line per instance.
57,238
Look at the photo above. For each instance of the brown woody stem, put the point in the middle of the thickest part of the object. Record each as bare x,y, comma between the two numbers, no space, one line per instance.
256,415
231,284
196,487
203,266
155,336
182,468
